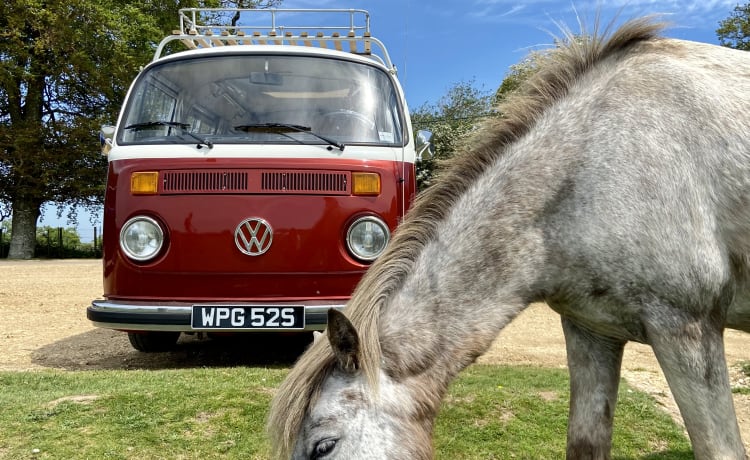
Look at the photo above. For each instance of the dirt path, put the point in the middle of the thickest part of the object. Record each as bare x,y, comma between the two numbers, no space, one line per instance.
536,338
44,325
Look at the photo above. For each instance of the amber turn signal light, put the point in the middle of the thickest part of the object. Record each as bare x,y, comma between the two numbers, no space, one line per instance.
365,183
144,183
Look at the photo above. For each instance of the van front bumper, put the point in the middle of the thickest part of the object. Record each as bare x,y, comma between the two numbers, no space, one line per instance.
176,316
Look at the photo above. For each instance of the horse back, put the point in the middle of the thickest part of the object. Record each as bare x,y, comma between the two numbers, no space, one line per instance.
651,185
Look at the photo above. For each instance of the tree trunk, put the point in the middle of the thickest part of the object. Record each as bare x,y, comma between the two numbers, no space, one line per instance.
23,226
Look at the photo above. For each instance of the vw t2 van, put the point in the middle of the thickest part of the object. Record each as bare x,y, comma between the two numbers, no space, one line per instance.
253,176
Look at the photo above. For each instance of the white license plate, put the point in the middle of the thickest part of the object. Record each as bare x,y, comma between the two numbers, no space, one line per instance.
247,317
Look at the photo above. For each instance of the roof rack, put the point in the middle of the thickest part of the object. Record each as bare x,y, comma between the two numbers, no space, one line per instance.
207,28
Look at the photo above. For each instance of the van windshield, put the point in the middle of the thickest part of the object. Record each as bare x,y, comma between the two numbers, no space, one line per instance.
266,99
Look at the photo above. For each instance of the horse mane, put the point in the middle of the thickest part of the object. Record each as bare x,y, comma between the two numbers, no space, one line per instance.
557,70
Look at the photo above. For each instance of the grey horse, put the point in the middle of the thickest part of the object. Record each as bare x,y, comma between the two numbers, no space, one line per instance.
616,188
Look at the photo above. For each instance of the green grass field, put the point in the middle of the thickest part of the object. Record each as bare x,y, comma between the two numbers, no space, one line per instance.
491,412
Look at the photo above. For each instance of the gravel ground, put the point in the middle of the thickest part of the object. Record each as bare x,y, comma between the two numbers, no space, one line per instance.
44,326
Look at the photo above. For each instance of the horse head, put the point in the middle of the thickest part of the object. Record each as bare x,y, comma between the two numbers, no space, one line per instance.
353,417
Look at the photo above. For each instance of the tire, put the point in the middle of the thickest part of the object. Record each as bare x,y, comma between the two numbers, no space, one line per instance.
152,342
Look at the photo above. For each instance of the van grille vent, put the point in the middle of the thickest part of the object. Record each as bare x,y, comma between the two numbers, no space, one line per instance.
214,181
304,181
255,181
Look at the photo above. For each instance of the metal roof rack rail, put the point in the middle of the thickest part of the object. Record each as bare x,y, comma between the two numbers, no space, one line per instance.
207,28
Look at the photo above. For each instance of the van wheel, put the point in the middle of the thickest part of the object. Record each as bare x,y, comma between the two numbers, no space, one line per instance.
149,342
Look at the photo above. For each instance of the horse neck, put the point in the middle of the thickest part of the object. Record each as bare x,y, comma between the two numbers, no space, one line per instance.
468,282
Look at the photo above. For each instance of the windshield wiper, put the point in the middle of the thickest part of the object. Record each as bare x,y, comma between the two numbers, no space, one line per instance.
183,127
282,128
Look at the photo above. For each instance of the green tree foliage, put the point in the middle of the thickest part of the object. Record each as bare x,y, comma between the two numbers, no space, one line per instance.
734,31
51,236
450,120
4,235
460,111
66,65
517,74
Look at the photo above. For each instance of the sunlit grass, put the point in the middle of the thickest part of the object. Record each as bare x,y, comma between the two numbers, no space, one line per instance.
498,412
491,412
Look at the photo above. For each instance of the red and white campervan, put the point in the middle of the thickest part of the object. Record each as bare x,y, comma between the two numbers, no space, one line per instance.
253,177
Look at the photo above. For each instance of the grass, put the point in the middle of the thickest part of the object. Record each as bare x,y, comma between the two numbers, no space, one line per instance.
742,387
491,412
497,412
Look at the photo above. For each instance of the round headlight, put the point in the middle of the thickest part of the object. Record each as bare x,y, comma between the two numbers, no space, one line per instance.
141,238
367,238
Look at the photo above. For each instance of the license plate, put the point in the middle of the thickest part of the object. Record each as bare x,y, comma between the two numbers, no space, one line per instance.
247,317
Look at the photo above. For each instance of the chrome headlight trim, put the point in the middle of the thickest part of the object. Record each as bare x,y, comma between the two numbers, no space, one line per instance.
367,238
144,243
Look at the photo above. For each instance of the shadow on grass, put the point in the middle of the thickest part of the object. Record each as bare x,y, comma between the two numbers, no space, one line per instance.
102,349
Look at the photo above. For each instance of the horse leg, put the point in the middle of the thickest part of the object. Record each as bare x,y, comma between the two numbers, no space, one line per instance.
692,358
594,365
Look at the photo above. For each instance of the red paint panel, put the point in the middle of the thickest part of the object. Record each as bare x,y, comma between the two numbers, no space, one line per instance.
308,258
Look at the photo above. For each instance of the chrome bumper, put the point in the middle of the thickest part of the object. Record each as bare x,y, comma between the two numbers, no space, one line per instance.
174,316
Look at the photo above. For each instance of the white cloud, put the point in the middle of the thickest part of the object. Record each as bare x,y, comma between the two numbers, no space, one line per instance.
681,13
514,9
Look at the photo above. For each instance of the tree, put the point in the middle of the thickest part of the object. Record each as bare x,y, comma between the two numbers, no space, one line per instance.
517,74
451,119
66,65
4,232
57,239
734,31
460,110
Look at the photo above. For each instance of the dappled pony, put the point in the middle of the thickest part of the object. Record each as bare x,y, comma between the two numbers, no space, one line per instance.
616,187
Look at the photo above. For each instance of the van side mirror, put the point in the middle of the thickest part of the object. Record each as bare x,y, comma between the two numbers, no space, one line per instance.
106,134
424,144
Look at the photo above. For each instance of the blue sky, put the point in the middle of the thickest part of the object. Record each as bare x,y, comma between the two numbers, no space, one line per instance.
436,44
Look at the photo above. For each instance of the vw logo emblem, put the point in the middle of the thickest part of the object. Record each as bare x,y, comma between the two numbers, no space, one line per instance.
253,236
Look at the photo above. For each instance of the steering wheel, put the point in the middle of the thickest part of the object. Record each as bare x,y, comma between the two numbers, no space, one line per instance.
349,125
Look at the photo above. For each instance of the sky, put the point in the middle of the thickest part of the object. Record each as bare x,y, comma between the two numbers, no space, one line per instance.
439,43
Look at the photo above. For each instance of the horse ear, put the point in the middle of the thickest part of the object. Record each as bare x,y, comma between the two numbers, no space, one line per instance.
344,341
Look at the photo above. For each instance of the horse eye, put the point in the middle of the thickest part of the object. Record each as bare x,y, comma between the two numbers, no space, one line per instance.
323,448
